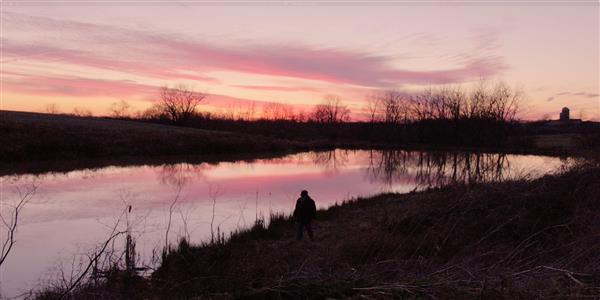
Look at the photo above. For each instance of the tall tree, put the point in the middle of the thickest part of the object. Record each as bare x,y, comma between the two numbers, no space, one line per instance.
332,110
180,102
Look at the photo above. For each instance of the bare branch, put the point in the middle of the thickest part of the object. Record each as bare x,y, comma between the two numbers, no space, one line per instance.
179,103
11,225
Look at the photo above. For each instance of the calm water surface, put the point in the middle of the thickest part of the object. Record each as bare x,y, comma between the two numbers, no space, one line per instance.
71,213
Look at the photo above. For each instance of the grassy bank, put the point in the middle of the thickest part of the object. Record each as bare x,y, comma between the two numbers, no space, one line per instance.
69,142
32,136
511,240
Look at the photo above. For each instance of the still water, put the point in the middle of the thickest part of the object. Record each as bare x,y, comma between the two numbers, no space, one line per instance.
71,213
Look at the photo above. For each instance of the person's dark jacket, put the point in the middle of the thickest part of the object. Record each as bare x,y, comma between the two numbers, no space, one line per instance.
305,210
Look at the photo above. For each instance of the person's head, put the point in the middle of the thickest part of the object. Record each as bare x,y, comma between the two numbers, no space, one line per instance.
304,193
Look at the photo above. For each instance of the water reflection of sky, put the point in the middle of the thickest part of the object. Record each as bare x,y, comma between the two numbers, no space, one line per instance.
71,212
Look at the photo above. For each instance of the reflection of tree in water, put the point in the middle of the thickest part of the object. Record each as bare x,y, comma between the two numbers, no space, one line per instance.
91,173
331,161
388,165
180,175
436,168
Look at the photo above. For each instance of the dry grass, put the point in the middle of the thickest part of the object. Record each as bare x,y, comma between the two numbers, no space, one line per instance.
511,240
27,137
556,141
32,136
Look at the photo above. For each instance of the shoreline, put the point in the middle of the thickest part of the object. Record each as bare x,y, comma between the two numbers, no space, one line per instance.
58,143
64,166
501,240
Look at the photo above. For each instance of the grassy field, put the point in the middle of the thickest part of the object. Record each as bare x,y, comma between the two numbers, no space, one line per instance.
512,240
556,141
67,142
33,136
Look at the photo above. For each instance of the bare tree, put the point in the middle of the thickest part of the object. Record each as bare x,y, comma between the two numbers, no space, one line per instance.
496,102
93,258
249,113
213,193
442,104
301,116
487,102
180,102
81,112
456,102
394,107
52,108
504,102
277,111
373,109
10,221
170,217
332,110
390,107
119,109
155,111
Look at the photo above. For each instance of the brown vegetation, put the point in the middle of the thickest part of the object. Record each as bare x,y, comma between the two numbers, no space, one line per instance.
32,136
179,103
506,240
485,116
484,102
332,110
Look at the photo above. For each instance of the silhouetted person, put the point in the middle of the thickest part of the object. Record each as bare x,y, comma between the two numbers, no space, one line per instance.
304,213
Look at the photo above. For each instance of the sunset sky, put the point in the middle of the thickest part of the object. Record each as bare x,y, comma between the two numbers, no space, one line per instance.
89,54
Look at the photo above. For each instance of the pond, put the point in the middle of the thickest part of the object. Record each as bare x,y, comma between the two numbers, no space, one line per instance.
70,213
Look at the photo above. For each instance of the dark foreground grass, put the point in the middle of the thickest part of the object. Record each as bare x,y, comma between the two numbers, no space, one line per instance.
513,240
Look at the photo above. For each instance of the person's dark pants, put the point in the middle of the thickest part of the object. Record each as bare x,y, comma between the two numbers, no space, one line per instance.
301,226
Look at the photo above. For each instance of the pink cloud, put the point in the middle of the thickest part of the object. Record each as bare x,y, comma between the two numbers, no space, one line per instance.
73,86
85,87
278,88
88,58
228,102
165,56
577,94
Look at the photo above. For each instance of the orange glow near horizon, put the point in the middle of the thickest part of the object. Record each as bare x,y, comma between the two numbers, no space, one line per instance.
249,57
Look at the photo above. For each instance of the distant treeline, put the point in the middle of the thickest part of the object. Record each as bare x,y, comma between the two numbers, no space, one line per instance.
484,115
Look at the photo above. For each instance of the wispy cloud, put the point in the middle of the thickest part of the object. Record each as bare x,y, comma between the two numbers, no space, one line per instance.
73,86
61,86
168,56
575,94
278,88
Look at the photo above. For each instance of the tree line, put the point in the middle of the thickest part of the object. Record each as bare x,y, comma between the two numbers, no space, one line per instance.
179,105
483,113
483,101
